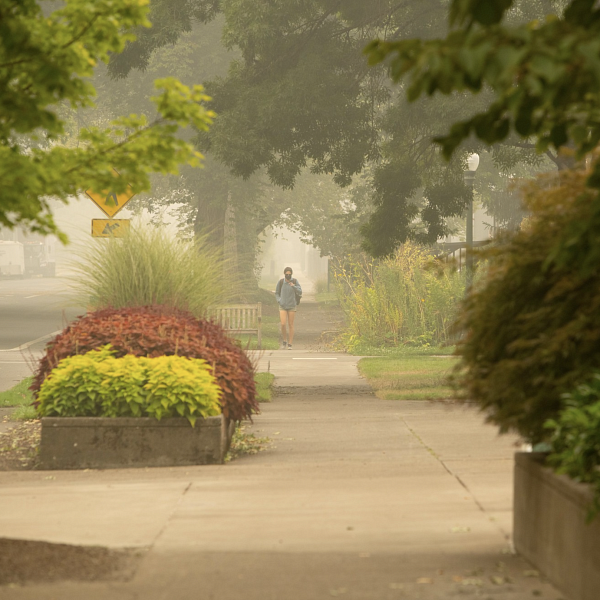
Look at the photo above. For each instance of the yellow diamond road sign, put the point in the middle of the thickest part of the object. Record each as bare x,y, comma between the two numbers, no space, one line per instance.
110,227
110,202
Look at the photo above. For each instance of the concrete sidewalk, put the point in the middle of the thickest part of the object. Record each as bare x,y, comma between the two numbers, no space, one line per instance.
356,498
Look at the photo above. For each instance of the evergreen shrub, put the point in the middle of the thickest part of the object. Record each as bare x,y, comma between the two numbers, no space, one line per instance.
97,384
531,327
575,437
159,331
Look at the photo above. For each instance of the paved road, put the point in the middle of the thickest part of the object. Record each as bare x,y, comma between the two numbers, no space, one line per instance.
31,310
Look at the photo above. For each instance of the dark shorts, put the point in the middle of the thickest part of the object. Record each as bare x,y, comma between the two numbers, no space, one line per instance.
287,309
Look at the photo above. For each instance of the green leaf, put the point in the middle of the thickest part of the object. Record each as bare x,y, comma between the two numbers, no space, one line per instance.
523,122
547,67
559,135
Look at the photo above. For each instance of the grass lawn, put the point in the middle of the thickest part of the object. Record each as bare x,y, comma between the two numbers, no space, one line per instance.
409,377
264,384
400,352
270,335
19,397
327,298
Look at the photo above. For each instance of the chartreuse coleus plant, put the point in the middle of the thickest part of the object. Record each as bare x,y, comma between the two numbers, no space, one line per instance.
98,384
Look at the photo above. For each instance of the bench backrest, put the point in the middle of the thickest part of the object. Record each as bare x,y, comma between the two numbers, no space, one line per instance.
241,318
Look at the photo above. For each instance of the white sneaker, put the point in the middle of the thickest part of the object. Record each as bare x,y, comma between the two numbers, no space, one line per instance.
283,345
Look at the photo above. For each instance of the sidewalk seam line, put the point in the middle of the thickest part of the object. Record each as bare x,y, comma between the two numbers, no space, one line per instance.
460,481
170,517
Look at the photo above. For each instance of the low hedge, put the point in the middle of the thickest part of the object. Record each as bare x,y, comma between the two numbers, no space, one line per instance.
97,384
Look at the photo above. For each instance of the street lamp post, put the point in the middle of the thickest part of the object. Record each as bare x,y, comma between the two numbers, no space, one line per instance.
472,163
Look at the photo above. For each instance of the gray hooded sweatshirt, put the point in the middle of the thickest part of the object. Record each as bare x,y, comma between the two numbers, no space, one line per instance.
285,294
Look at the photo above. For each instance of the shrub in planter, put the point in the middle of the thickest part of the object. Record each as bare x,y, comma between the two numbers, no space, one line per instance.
531,326
575,438
97,384
160,331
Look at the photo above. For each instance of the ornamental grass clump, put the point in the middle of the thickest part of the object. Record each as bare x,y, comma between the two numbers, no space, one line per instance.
97,384
149,266
154,331
398,301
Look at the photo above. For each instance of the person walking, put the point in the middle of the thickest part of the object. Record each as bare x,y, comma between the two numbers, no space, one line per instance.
287,294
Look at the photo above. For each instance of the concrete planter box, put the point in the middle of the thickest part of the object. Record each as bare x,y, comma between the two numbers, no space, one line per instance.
110,443
550,528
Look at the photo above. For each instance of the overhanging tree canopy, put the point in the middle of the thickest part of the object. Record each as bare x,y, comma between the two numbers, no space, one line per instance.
45,63
544,73
529,325
546,80
301,95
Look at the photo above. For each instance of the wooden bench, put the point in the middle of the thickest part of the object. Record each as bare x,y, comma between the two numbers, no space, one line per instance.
240,318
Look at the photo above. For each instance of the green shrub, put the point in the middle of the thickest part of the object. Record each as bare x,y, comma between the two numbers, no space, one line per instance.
149,266
159,331
264,386
321,286
400,300
97,384
575,438
531,327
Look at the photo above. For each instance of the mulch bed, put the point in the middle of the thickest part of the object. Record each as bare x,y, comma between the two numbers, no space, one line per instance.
23,561
19,446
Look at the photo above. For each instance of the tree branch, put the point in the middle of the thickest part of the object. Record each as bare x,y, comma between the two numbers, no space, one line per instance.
525,145
83,32
118,145
372,20
15,63
553,158
64,47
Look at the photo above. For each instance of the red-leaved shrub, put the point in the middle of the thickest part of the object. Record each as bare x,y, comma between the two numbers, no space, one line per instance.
160,331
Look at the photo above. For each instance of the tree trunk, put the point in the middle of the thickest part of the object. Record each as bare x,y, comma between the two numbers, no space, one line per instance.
210,220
